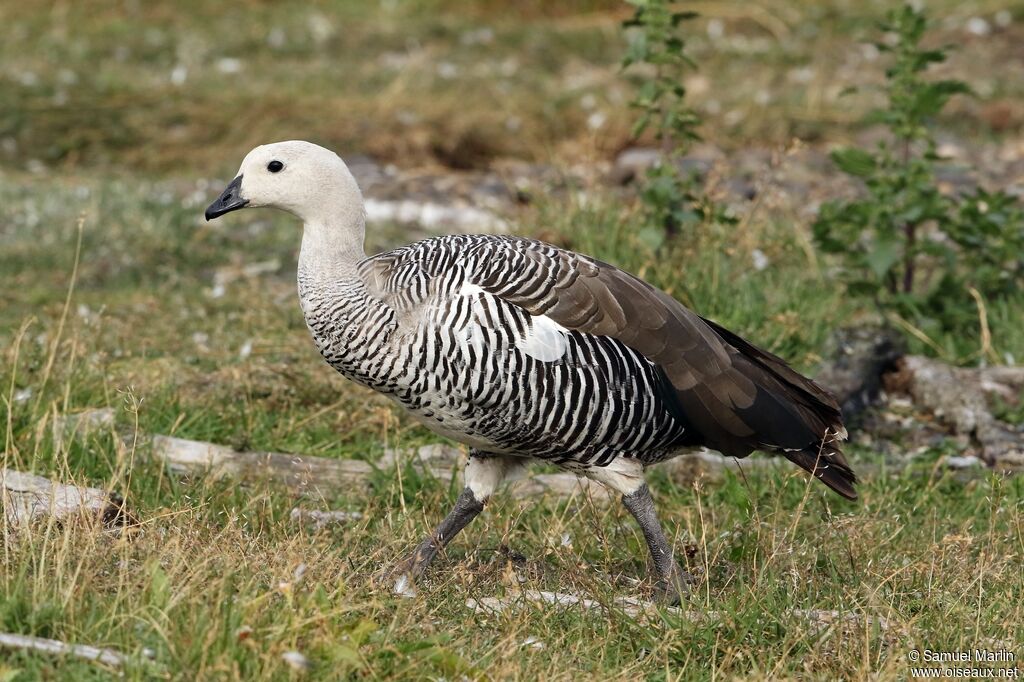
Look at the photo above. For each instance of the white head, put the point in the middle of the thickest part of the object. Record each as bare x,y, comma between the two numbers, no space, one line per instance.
302,178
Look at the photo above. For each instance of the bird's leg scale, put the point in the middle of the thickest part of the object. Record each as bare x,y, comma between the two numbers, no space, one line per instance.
673,582
467,508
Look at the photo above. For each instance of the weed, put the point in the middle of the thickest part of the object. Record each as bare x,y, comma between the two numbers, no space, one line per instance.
671,196
905,244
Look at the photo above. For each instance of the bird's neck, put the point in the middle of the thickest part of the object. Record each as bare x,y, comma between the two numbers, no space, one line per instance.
332,250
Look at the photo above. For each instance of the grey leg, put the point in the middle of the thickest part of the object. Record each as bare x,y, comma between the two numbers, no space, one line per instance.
484,473
467,508
672,581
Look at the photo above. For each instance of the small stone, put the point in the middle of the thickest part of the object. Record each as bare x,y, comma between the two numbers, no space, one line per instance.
230,65
296,661
179,74
978,26
631,163
532,642
955,462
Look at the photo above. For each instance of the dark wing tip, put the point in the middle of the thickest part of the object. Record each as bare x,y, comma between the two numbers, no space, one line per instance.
828,466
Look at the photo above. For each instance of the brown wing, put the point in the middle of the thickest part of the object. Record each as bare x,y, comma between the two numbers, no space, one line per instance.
736,396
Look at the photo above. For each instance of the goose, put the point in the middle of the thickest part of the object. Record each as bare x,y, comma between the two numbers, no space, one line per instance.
525,351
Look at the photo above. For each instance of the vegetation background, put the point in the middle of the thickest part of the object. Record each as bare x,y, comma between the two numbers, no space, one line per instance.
121,120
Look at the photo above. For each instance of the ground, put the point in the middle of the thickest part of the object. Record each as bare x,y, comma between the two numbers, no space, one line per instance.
121,121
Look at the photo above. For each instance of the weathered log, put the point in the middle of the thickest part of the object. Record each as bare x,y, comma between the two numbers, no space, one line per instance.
318,476
53,646
816,618
629,606
957,396
319,518
559,485
443,462
28,498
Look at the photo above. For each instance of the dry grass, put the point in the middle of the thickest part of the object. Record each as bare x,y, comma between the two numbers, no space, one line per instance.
168,86
218,581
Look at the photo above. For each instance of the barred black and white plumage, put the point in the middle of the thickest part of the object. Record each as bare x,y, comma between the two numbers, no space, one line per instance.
526,351
436,334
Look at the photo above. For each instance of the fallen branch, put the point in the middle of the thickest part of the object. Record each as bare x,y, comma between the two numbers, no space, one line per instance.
28,498
631,607
818,618
443,462
53,646
559,485
319,476
320,519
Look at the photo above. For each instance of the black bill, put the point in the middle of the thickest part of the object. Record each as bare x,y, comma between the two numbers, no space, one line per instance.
229,200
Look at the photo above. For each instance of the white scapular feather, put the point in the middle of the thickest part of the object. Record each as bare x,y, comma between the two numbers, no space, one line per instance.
545,340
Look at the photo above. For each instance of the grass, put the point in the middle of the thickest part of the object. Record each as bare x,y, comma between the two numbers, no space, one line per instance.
164,86
164,324
209,582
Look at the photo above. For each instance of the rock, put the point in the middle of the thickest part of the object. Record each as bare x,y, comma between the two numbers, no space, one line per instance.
955,462
955,180
84,423
695,166
431,215
28,498
742,188
631,163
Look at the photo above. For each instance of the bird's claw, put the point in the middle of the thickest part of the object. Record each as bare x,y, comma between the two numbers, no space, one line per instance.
671,590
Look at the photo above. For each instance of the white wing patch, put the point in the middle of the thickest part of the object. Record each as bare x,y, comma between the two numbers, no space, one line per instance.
545,340
469,289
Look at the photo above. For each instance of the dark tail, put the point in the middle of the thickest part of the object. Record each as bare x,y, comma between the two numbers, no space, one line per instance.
791,410
829,466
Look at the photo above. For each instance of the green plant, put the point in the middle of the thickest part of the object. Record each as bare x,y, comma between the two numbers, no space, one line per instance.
913,249
671,197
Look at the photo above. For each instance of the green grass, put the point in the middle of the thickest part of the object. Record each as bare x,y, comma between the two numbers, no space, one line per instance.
208,581
940,561
171,85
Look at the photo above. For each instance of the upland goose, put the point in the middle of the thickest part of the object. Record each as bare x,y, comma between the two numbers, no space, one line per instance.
525,351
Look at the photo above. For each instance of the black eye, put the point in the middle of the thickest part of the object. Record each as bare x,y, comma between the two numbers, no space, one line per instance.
275,166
